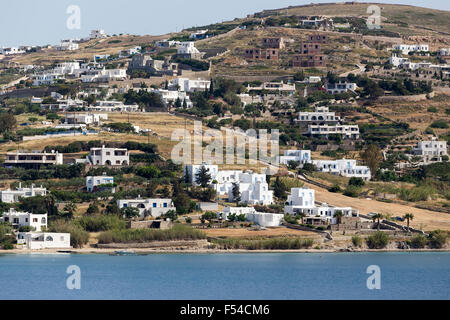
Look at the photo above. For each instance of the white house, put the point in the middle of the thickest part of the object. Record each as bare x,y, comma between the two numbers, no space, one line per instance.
104,75
341,87
68,45
281,87
302,200
153,207
407,48
187,47
260,218
11,51
12,196
170,96
109,156
113,106
321,115
253,189
95,181
85,118
397,61
431,150
19,219
347,131
98,34
46,78
43,240
300,156
67,68
188,85
343,167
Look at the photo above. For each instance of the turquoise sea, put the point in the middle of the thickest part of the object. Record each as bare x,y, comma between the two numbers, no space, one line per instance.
251,276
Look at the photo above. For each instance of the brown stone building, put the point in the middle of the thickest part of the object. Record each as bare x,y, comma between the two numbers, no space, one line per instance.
311,55
275,43
261,54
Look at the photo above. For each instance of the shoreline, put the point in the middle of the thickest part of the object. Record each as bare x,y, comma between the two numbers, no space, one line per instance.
207,251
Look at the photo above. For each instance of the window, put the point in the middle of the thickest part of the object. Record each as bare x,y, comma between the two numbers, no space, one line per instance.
165,205
35,220
154,205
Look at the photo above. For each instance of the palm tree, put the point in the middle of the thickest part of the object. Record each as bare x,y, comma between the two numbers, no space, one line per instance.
377,217
70,208
408,217
338,215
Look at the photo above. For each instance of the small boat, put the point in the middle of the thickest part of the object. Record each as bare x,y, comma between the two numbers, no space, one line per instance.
123,253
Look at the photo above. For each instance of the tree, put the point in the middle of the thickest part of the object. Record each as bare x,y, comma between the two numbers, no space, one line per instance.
354,181
203,177
372,157
279,189
236,193
93,209
292,164
171,214
187,176
130,212
70,208
408,217
209,216
7,122
149,172
377,217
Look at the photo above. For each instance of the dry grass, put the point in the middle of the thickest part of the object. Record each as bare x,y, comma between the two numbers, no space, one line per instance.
269,232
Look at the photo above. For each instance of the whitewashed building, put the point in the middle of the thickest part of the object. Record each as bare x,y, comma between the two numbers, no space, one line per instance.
12,196
300,156
280,87
153,207
260,218
191,171
188,85
11,51
407,48
253,189
302,201
341,87
93,182
85,118
343,167
25,219
345,130
43,240
68,45
108,157
104,75
98,34
431,151
33,158
113,106
320,116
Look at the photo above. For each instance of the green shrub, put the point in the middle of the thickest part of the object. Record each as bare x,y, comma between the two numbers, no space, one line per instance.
378,240
335,188
264,244
26,228
8,246
357,241
419,241
354,181
351,191
439,124
437,239
100,223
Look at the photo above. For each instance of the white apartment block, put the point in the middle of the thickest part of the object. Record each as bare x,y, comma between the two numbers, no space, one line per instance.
32,158
321,115
153,207
67,68
407,48
85,118
11,51
46,79
68,45
260,218
347,131
43,240
114,106
343,167
12,196
341,87
104,75
281,87
170,96
93,182
108,157
188,85
432,150
26,219
300,156
302,200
